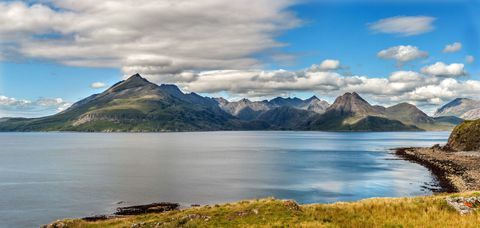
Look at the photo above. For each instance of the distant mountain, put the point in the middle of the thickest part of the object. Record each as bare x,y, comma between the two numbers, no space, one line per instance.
244,109
286,117
4,119
138,105
473,114
459,107
250,110
133,105
350,112
280,101
314,104
410,114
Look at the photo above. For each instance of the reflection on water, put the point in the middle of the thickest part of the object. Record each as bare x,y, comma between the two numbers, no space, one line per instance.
45,176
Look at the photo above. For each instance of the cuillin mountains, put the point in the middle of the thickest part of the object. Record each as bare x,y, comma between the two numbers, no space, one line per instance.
137,105
464,108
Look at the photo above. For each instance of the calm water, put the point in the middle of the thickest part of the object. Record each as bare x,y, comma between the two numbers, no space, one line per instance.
47,176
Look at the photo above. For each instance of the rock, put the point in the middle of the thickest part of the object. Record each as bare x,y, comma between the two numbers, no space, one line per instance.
464,205
437,147
148,208
98,218
292,205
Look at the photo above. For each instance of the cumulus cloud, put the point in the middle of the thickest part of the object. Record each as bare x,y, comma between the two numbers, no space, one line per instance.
405,76
469,59
12,107
163,38
441,69
404,25
326,65
402,53
453,47
98,85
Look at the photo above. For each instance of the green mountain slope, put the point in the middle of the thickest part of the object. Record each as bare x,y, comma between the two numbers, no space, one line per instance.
286,117
409,114
350,112
133,105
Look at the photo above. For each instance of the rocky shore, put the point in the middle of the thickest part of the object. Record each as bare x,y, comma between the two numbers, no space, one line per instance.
456,171
457,164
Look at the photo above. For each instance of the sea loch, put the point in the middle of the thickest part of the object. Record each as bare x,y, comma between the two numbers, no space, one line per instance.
48,176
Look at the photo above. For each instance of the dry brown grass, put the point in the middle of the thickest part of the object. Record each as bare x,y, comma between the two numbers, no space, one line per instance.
429,211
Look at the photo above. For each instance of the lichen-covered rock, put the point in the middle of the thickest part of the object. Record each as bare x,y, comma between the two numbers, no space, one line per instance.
464,205
465,137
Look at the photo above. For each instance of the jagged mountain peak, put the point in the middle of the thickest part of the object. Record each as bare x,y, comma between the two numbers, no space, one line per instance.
171,89
132,82
280,101
352,103
312,98
137,78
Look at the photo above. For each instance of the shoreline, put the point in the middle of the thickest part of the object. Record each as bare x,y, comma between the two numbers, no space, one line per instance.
455,171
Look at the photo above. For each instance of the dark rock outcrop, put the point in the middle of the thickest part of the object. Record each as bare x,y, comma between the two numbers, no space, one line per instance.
148,208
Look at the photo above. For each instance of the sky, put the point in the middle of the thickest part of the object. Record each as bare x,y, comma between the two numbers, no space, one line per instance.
56,52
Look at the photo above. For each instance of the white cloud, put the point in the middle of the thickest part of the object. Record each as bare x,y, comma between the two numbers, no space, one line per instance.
98,85
441,69
162,38
326,65
405,76
404,25
12,107
453,47
469,59
402,53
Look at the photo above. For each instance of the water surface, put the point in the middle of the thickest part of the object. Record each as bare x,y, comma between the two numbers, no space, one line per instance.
47,176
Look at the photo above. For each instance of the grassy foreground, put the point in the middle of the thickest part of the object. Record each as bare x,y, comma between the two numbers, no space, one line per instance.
429,211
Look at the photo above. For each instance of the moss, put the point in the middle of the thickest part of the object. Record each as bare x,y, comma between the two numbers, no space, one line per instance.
465,137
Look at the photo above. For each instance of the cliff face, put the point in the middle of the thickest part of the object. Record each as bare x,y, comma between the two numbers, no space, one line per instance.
465,137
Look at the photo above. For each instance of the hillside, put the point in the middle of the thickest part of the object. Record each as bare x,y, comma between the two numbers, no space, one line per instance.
473,114
133,105
465,137
350,112
286,118
459,107
427,211
410,114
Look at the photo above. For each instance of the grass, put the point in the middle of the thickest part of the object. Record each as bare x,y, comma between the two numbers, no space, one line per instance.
428,211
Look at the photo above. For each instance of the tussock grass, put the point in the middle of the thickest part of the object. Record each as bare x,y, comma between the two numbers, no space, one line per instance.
429,211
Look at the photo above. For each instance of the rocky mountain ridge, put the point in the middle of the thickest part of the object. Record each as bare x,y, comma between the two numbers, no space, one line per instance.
136,104
464,108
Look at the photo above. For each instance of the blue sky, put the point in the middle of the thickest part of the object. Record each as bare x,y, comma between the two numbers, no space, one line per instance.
340,31
49,59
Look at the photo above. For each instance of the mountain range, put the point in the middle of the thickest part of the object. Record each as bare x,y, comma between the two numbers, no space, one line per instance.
464,108
137,105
